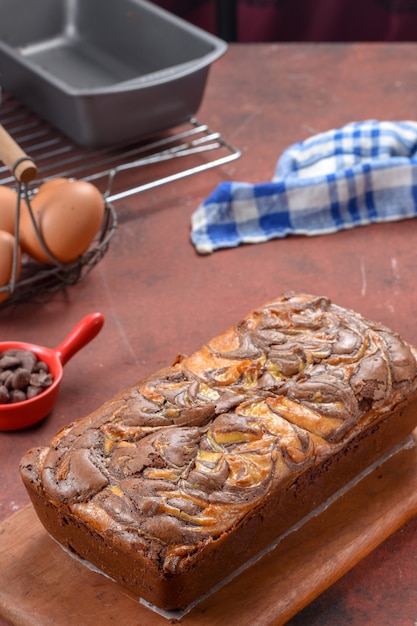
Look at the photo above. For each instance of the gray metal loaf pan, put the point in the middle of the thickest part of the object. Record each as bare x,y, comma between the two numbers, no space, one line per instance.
104,72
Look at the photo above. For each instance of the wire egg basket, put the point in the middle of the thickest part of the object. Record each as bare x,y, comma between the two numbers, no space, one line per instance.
31,279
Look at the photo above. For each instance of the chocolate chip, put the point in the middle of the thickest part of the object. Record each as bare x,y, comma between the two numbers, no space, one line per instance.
8,361
40,379
22,376
4,395
32,391
17,395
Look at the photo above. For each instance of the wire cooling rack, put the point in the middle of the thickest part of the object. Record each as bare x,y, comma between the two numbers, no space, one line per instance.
188,149
174,154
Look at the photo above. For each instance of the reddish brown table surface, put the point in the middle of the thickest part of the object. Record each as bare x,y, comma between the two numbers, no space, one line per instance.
161,298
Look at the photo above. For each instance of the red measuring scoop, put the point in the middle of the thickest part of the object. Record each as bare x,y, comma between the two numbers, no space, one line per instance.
18,415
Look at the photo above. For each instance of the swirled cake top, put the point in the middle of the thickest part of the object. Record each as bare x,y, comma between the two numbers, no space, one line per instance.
186,453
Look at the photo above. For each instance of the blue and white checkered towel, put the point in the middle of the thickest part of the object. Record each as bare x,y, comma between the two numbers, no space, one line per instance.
361,173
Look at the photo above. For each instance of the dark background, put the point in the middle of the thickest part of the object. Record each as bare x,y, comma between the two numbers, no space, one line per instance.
301,20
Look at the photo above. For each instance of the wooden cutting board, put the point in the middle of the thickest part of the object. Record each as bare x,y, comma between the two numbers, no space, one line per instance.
41,585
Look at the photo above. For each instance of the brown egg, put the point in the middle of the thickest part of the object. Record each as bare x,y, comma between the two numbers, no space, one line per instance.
8,206
6,261
68,215
50,184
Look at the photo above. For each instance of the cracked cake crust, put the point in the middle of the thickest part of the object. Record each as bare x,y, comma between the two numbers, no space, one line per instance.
178,480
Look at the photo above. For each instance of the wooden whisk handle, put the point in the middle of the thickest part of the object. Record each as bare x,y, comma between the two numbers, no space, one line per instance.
19,163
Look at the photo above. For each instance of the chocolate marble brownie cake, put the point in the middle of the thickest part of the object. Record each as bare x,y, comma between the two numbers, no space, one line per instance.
181,478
